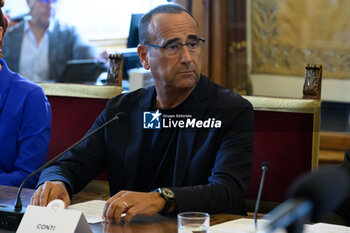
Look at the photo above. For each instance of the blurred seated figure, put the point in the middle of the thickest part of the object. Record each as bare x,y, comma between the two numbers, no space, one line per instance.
344,209
39,48
25,123
342,214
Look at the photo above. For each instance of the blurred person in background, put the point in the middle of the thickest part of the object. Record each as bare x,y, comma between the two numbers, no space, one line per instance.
39,46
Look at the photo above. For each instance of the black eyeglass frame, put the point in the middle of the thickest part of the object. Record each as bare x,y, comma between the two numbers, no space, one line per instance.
200,39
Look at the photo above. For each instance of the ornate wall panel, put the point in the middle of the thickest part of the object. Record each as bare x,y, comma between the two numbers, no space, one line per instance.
236,63
287,34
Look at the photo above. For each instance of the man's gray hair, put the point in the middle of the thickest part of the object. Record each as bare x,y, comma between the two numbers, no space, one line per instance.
171,8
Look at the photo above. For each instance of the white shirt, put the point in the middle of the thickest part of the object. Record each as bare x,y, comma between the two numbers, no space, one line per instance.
34,59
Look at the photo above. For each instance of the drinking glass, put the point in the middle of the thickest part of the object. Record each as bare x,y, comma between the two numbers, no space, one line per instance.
193,222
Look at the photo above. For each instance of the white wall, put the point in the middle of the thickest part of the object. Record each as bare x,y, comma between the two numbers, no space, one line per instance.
15,7
103,19
289,86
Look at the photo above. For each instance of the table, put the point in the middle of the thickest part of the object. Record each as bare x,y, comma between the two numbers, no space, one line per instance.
97,190
332,148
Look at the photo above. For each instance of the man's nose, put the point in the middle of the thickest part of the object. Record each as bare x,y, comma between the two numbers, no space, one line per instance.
47,5
186,56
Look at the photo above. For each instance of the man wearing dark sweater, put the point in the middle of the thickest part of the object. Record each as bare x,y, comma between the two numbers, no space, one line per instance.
185,144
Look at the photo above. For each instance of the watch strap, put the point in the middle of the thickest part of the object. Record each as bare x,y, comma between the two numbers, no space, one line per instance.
167,206
168,202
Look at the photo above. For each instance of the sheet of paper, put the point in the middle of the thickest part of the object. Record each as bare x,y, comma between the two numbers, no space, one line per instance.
91,209
328,228
245,225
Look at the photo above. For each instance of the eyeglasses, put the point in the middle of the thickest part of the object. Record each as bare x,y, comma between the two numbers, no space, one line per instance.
48,1
175,49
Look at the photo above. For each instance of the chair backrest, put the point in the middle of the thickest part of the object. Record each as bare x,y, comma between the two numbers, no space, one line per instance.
74,109
287,136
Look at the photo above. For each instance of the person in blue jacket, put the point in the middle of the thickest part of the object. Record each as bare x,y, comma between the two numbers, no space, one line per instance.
25,123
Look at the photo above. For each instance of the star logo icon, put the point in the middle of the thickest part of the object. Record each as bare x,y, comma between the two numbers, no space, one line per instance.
156,115
152,120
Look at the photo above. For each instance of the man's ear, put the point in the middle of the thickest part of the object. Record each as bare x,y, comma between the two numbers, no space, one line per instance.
142,51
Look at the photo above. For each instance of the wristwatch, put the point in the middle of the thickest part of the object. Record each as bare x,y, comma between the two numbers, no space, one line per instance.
169,197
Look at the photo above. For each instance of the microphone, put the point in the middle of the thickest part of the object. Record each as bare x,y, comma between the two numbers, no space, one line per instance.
11,216
264,167
311,198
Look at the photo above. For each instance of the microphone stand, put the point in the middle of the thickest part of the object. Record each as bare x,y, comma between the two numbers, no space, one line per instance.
265,167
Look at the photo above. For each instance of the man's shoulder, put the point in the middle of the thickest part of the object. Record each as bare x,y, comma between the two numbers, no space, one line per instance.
222,96
132,99
62,28
14,30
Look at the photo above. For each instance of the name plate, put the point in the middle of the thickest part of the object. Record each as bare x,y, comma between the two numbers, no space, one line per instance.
53,218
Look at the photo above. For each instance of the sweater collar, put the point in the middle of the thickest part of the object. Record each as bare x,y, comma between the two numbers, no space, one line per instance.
198,93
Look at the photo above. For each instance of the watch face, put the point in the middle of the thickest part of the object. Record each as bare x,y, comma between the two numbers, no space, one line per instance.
168,193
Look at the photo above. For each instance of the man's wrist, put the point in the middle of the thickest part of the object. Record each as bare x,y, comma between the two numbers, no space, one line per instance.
169,197
64,185
60,183
160,202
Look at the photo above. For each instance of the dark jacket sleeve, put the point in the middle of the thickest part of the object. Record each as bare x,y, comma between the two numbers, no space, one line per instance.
230,176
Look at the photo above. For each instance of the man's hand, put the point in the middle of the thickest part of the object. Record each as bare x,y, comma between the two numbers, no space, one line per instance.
10,23
132,203
49,191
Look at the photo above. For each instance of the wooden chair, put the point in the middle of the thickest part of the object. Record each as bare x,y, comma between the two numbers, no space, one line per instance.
286,136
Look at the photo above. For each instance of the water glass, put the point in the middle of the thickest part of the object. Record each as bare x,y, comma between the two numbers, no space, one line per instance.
193,222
